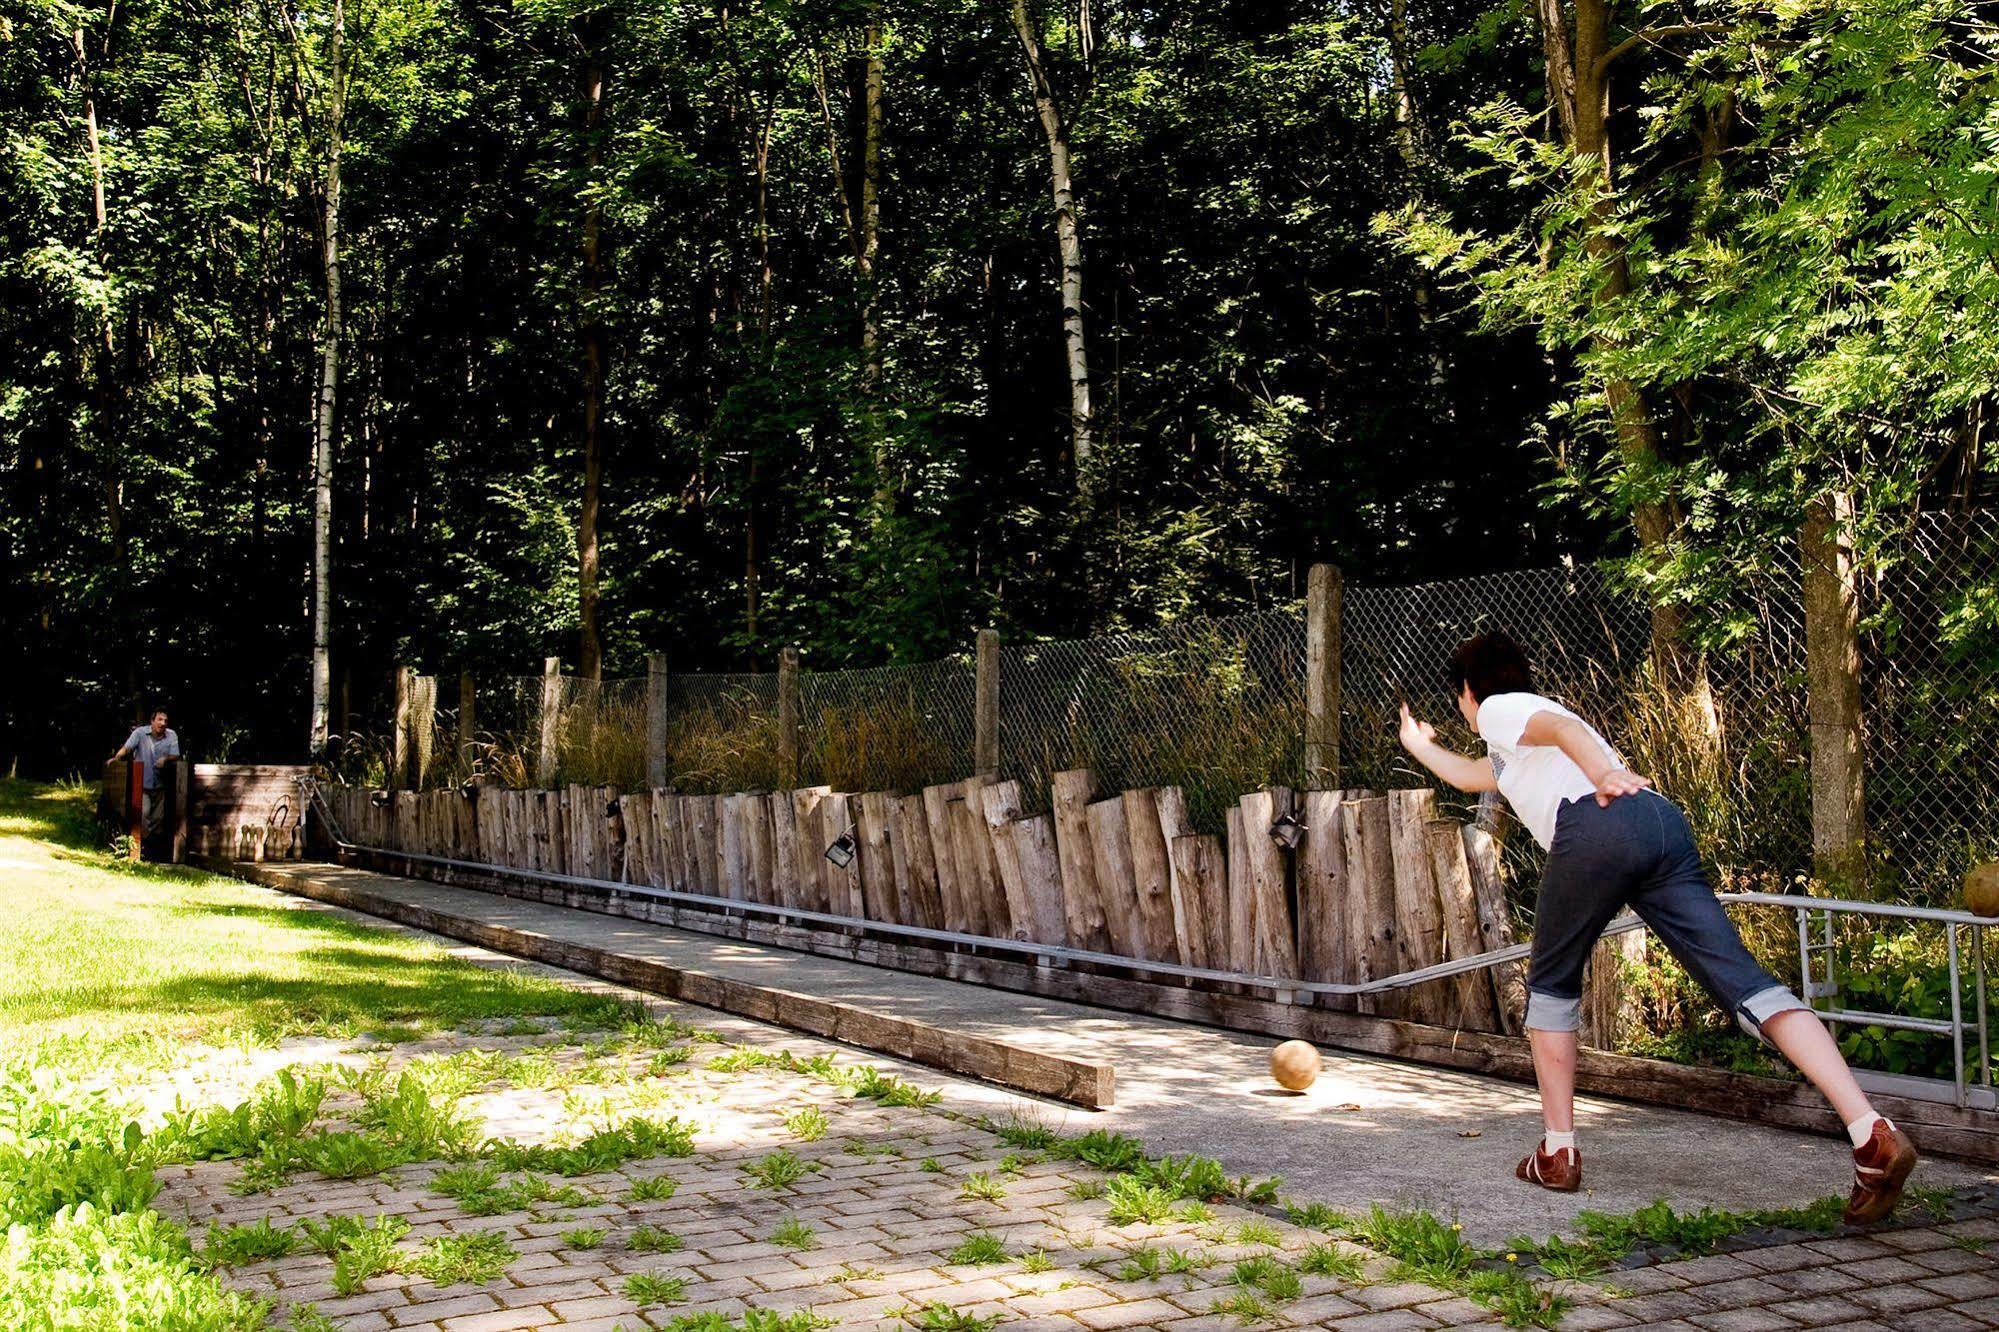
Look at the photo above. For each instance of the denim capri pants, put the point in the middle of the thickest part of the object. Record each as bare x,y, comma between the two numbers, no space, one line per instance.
1637,851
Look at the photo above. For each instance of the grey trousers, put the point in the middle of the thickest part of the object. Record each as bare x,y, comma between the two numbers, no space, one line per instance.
155,810
1637,852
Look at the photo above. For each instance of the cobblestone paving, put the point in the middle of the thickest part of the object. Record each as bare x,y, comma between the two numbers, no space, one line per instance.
877,1229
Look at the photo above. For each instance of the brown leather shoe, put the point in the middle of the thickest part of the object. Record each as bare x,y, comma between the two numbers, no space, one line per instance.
1881,1166
1561,1171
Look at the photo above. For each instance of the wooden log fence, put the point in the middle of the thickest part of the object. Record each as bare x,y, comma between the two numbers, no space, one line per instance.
1315,886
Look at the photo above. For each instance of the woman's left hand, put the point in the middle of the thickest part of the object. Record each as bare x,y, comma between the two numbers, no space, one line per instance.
1619,782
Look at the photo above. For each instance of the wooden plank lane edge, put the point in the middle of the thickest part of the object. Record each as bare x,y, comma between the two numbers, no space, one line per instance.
1938,1129
1087,1083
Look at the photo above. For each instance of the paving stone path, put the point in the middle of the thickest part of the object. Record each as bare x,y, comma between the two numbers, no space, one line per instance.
921,1216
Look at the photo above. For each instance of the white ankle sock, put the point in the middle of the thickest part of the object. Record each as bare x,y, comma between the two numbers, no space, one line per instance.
1861,1129
1555,1142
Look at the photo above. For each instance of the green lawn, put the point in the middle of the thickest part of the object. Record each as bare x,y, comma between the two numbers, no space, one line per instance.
112,961
112,971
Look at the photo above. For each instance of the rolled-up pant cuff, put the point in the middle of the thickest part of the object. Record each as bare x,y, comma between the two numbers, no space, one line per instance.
1548,1012
1760,1007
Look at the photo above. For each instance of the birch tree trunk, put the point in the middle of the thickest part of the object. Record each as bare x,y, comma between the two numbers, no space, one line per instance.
1068,239
324,422
870,220
590,651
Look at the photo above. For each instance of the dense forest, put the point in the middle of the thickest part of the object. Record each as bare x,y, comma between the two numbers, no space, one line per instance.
338,333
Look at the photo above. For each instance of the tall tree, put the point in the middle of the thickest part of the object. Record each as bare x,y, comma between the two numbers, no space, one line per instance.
590,661
1068,229
326,418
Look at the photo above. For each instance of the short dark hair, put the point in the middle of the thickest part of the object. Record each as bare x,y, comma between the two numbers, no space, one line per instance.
156,712
1491,663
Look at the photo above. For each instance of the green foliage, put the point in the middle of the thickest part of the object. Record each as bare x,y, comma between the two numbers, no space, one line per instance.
584,1237
791,1233
228,1245
1101,1148
477,1258
637,1139
807,1124
653,1239
982,1187
752,1320
977,1249
1332,1261
943,1318
646,1288
359,1249
656,1189
779,1169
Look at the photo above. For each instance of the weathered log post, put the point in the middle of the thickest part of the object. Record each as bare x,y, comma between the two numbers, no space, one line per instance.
1832,676
399,752
986,706
423,727
1419,916
1276,951
787,717
1472,1005
1324,598
551,722
1152,876
1069,796
1495,927
468,721
1117,882
656,705
1323,945
1373,950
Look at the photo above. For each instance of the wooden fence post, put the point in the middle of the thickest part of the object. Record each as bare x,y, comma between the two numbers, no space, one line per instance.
1324,595
399,755
551,722
468,718
787,716
656,720
423,727
986,708
1832,674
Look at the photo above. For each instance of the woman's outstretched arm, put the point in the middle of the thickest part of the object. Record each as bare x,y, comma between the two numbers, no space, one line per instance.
1467,774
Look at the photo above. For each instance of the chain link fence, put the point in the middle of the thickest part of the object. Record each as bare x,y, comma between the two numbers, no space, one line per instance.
1216,706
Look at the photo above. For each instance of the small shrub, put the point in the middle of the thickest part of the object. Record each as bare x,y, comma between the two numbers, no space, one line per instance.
584,1237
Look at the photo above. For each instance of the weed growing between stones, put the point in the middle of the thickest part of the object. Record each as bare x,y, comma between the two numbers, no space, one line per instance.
228,1245
653,1239
779,1169
646,1288
791,1233
978,1249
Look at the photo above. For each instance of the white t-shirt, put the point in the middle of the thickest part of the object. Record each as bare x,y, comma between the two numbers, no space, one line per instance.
1535,779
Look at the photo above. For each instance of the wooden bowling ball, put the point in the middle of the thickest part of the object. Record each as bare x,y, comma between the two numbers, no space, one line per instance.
1295,1065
